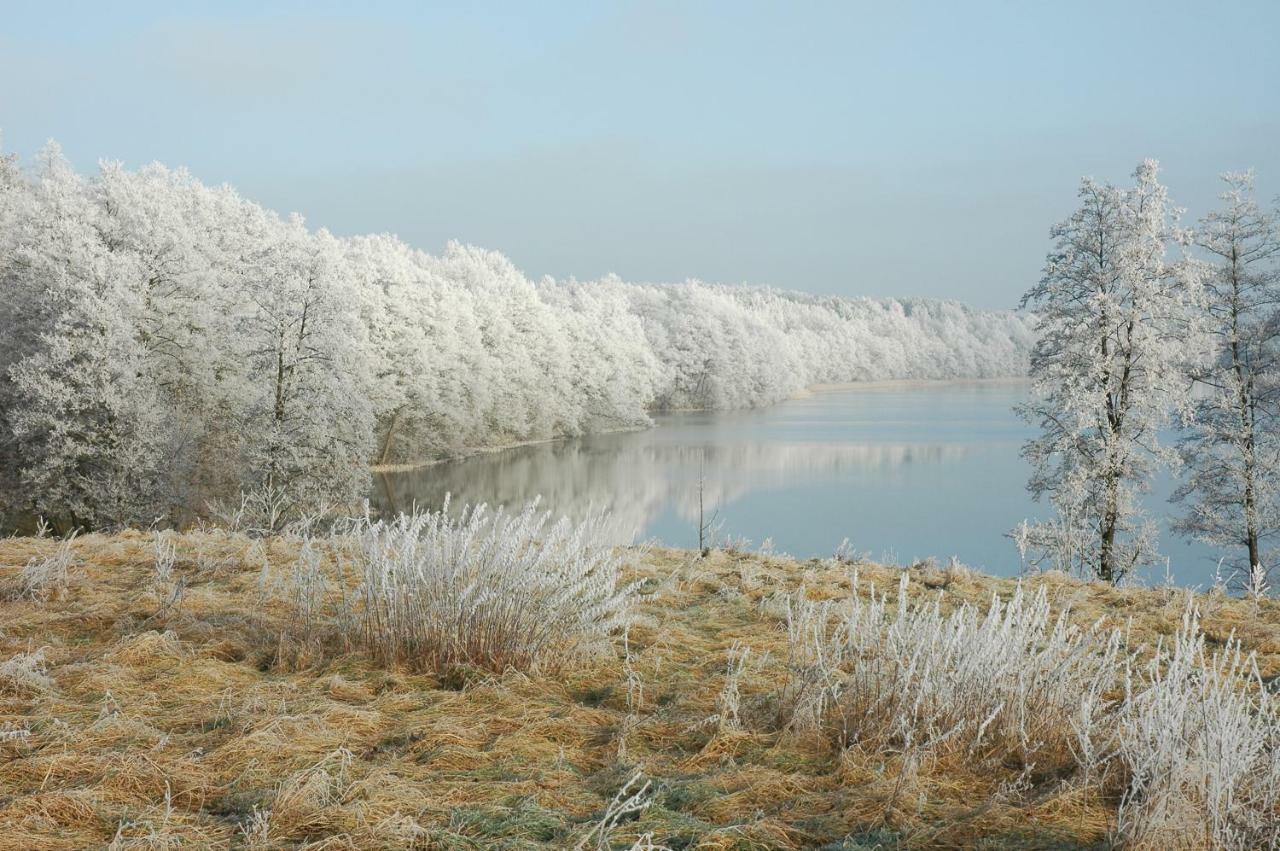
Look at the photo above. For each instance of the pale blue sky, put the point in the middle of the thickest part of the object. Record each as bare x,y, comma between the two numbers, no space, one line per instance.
855,148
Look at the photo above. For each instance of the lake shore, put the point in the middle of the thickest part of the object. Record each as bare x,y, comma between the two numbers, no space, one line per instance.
812,390
907,384
131,711
476,451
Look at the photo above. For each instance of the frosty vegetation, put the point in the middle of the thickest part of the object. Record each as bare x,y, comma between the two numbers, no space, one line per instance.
449,590
1144,324
1232,450
488,589
1187,739
1182,738
168,345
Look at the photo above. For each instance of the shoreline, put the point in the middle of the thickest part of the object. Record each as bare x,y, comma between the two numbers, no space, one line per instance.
473,452
805,393
904,383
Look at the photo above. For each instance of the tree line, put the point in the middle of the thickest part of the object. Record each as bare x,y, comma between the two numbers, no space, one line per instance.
167,346
1145,328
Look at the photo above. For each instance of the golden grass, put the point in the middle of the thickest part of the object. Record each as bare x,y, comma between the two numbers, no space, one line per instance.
197,726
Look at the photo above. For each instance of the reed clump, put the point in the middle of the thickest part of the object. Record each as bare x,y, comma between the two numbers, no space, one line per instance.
487,589
1187,740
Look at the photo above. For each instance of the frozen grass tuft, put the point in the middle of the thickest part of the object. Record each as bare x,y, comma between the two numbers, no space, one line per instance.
147,834
44,577
168,588
24,674
729,702
166,555
303,801
255,830
1199,736
493,590
1004,685
633,798
1192,738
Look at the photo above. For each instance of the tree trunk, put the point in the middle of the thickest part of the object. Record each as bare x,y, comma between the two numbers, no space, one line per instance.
1107,560
1110,520
391,433
279,409
1250,506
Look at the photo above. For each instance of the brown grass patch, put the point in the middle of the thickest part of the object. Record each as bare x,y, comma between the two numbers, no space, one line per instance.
196,725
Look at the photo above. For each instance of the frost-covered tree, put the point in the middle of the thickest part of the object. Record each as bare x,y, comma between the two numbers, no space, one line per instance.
14,341
393,296
1115,319
305,424
166,222
1232,449
613,372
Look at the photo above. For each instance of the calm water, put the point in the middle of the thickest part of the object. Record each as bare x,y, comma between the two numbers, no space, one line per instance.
903,471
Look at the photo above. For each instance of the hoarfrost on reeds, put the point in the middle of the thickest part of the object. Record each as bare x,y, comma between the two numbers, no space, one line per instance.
44,577
491,589
24,674
1200,738
1191,738
910,677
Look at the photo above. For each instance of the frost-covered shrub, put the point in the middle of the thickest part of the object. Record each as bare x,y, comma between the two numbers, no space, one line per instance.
495,590
1007,683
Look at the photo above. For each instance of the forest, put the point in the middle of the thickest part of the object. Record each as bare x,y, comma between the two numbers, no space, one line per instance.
170,348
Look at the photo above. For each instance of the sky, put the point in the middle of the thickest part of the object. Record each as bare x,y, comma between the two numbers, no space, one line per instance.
853,148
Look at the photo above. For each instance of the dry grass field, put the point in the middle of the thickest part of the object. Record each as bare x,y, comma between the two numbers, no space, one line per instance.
183,707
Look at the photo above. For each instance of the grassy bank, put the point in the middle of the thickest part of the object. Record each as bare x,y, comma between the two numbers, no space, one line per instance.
157,710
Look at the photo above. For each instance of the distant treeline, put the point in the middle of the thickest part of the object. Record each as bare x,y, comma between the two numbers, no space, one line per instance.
166,344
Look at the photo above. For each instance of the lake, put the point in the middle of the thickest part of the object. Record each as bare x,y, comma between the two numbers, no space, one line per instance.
903,470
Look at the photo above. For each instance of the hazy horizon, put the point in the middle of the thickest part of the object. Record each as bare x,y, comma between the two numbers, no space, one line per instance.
847,149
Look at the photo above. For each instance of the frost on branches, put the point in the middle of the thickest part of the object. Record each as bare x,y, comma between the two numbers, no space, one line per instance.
1231,493
1118,324
165,345
81,415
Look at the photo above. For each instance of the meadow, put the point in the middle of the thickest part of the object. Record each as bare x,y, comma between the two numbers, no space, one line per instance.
221,689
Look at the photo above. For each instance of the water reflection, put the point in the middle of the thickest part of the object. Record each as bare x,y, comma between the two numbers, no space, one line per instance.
637,476
903,471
